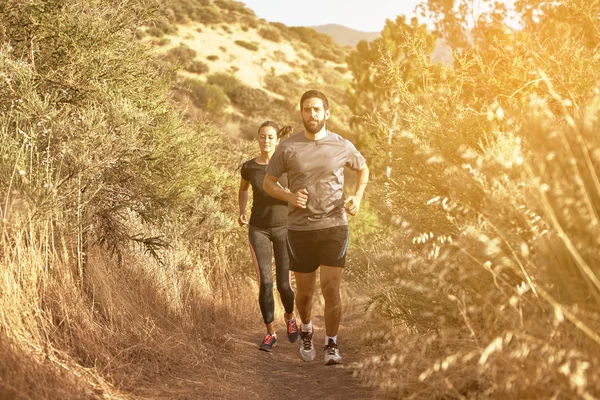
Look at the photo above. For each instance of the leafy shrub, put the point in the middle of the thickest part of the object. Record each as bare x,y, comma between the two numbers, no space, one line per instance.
207,15
154,31
320,44
226,81
284,31
226,28
340,69
251,100
285,85
197,67
253,46
234,7
249,21
140,34
270,34
181,54
163,41
210,98
212,57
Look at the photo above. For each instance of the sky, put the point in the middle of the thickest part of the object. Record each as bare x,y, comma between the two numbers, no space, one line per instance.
361,15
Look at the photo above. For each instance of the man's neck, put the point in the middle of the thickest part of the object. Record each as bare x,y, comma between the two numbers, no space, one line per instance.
316,136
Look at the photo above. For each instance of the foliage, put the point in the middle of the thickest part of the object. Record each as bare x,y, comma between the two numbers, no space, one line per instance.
493,192
253,46
210,98
197,67
320,44
250,100
227,82
99,173
207,12
285,85
270,34
181,55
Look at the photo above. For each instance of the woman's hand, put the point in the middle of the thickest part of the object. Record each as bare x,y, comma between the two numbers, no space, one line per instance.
243,220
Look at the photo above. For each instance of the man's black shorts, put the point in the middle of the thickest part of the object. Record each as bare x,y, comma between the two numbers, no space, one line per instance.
310,249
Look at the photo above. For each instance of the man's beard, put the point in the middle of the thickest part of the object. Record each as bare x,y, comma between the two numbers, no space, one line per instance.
313,130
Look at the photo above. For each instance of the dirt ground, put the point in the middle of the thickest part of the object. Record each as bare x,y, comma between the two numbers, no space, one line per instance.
240,371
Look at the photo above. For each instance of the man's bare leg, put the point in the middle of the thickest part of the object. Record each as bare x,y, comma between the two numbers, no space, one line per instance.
305,289
331,278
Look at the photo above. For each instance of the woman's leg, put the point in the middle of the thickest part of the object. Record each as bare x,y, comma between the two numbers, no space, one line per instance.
261,248
282,270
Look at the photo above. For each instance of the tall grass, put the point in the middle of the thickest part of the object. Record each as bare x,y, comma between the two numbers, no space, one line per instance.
495,291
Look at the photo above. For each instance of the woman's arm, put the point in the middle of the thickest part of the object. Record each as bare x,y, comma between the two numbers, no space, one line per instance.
243,201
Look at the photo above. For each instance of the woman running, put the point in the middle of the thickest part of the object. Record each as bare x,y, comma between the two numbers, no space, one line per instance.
267,234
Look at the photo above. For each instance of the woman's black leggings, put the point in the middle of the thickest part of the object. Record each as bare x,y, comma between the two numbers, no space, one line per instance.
263,242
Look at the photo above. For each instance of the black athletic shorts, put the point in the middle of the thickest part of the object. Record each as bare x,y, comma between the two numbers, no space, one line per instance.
310,249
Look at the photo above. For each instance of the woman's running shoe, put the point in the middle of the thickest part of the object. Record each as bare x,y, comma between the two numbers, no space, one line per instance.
292,330
268,342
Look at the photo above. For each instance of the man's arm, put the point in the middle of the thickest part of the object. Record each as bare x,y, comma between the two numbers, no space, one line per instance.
353,202
272,187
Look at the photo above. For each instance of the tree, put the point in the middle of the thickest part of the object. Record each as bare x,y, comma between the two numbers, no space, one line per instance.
373,94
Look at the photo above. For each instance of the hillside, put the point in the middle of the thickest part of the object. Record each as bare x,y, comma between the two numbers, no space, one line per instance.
238,70
349,37
344,35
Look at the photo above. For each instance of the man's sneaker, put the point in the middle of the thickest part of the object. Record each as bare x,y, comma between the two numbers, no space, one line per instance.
292,330
268,343
306,349
332,353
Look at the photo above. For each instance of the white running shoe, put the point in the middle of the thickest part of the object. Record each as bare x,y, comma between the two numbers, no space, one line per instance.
307,349
331,353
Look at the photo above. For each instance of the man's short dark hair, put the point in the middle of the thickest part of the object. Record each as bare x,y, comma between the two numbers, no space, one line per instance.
314,94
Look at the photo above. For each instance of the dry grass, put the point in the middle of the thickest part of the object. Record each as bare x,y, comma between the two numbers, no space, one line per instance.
114,329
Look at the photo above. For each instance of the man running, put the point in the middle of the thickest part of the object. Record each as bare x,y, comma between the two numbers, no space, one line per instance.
314,161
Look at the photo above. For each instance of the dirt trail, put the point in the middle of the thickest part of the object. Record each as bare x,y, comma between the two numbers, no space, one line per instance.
282,374
240,371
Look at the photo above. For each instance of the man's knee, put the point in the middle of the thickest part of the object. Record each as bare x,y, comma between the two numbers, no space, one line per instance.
331,291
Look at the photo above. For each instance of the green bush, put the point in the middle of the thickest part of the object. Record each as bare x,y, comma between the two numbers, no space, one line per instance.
249,21
154,31
321,45
212,57
234,7
227,82
181,55
251,100
270,34
253,46
197,67
285,85
207,15
95,105
210,98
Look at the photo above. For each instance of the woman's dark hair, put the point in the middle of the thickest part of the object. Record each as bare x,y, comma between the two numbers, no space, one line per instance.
281,133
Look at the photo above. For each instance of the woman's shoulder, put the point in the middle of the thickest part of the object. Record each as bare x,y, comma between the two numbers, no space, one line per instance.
249,163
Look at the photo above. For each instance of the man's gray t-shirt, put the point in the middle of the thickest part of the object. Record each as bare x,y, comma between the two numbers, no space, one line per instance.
318,167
